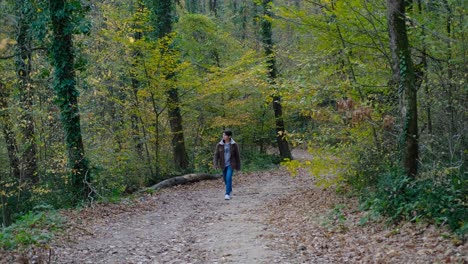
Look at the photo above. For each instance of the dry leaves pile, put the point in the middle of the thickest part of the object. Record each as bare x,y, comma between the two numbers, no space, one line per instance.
319,226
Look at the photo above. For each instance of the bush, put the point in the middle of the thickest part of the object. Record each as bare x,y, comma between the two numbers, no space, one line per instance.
31,229
256,161
402,198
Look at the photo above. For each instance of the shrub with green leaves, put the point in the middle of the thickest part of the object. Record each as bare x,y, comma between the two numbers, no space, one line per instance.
31,229
400,197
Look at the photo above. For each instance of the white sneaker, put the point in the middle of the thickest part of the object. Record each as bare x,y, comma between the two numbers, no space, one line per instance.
227,197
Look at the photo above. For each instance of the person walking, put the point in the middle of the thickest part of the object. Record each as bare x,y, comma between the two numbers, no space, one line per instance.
227,158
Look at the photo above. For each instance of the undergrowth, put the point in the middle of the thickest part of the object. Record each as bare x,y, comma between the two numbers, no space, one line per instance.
33,228
401,198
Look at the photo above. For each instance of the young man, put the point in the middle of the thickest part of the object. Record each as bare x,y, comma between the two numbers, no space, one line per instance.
227,157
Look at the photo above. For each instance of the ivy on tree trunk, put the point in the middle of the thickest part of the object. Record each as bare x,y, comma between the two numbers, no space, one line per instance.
28,164
403,72
67,96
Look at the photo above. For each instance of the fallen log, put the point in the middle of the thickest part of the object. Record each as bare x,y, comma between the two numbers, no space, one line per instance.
185,179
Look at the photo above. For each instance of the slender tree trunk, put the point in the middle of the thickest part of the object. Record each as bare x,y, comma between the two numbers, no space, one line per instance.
164,19
5,214
135,86
423,77
214,7
23,68
67,97
451,107
7,129
267,40
145,144
175,120
404,72
192,6
141,143
134,118
157,150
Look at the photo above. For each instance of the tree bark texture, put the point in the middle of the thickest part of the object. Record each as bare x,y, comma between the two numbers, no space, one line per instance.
7,129
175,120
23,59
405,77
67,97
267,40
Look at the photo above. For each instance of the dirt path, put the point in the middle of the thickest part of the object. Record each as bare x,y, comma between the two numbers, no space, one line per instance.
272,218
188,224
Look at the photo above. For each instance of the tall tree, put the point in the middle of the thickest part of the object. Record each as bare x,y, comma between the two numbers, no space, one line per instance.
267,39
23,69
67,95
164,18
404,75
450,70
136,119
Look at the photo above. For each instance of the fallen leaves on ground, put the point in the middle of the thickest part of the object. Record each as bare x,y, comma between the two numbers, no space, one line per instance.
291,221
309,227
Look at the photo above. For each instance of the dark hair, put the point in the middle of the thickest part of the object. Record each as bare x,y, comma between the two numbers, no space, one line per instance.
228,133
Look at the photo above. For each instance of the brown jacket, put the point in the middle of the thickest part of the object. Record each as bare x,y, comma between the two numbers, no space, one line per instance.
218,160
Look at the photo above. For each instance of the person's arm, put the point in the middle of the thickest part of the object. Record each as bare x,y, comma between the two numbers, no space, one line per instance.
237,155
216,158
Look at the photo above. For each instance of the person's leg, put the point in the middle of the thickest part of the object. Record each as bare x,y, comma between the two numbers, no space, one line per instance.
228,180
224,175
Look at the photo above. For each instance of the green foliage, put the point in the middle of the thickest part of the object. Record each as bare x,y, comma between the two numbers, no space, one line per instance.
51,193
401,198
255,161
368,157
336,219
31,229
327,165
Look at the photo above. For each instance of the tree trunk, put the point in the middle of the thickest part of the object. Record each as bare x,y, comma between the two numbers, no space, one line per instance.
134,118
405,77
23,68
136,54
185,179
451,107
192,6
67,97
175,120
267,40
164,18
214,8
140,141
423,77
7,129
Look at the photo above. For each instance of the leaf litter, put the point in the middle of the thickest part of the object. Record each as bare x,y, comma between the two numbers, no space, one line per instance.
272,218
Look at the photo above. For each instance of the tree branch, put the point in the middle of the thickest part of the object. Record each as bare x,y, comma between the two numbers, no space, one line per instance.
14,55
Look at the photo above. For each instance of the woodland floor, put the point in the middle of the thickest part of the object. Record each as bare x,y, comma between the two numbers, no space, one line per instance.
272,218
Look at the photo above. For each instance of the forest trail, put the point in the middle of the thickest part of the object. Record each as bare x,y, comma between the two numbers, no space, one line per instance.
187,224
272,218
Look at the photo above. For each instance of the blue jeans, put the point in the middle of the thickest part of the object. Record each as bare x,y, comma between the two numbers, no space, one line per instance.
227,177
